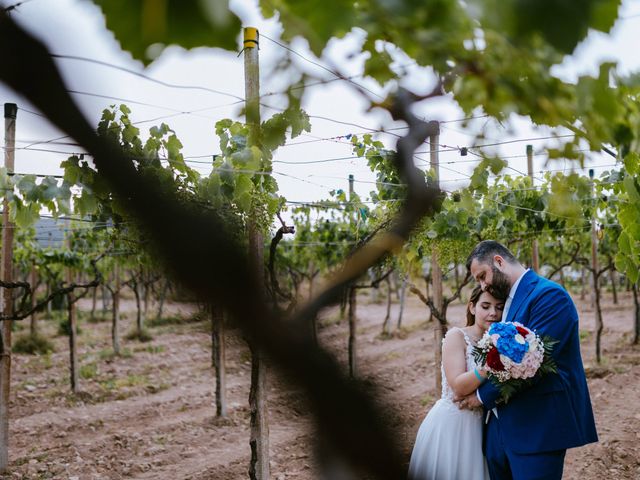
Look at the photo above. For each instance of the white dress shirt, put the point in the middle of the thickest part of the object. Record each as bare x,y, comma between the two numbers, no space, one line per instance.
512,293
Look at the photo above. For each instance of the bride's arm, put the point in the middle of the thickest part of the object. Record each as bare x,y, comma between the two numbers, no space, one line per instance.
454,362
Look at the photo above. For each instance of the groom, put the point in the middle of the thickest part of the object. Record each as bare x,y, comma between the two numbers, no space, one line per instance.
527,438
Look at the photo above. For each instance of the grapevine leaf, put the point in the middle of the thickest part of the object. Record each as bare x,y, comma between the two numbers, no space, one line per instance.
86,203
145,31
25,215
242,193
630,186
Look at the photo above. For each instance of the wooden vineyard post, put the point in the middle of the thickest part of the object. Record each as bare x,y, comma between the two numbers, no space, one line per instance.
161,300
594,271
218,359
614,287
73,328
115,294
387,317
6,275
403,293
352,299
33,326
436,272
636,315
259,439
353,324
535,256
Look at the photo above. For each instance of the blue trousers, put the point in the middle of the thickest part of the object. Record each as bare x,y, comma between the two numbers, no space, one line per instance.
504,464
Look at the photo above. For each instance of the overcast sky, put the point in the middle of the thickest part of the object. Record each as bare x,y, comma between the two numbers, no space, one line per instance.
76,28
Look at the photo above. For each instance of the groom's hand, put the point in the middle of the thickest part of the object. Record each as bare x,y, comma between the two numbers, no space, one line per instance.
468,402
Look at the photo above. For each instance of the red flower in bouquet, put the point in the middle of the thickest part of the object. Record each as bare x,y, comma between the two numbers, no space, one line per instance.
493,359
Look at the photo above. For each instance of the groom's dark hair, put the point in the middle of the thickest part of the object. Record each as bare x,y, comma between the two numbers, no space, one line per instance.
485,250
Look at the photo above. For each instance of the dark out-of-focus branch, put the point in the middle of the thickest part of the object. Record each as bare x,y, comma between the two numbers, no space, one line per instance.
200,251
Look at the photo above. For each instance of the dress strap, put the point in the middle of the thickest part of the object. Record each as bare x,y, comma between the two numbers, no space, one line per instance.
464,334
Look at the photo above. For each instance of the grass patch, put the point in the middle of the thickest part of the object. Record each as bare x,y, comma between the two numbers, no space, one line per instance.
245,356
198,319
384,336
32,345
97,317
17,326
131,380
142,336
585,335
330,320
157,388
56,315
169,320
109,354
89,371
25,460
64,327
426,400
47,361
151,349
392,356
597,371
156,349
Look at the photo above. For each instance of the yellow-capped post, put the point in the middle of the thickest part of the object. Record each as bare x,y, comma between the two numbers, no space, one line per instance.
259,436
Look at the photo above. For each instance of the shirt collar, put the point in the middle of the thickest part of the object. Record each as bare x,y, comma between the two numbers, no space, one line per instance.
512,292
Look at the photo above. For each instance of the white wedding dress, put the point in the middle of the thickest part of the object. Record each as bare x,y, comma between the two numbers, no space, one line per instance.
449,442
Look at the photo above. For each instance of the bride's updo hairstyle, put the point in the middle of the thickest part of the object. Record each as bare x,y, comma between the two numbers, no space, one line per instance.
473,300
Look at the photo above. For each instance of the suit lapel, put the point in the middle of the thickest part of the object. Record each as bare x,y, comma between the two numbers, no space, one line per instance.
525,287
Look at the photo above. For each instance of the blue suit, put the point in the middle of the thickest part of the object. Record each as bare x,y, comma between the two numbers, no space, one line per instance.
529,437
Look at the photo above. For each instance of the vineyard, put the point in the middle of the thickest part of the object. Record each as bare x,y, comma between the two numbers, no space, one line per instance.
151,414
169,317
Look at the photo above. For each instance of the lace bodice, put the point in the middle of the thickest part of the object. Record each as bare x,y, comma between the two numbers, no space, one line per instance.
447,393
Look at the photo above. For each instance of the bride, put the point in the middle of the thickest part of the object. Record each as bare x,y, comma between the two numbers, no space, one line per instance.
449,441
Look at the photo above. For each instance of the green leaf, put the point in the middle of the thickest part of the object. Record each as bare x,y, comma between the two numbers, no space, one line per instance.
620,262
242,193
72,171
130,133
623,244
632,191
631,269
522,19
316,22
86,203
25,215
604,14
173,146
139,25
26,184
50,190
378,67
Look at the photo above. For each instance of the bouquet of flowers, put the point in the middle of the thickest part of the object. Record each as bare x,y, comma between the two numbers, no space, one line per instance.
513,356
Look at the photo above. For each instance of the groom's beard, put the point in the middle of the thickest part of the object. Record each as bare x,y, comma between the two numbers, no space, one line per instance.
500,286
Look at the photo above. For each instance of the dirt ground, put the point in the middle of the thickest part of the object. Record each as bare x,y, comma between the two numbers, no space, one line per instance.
150,413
